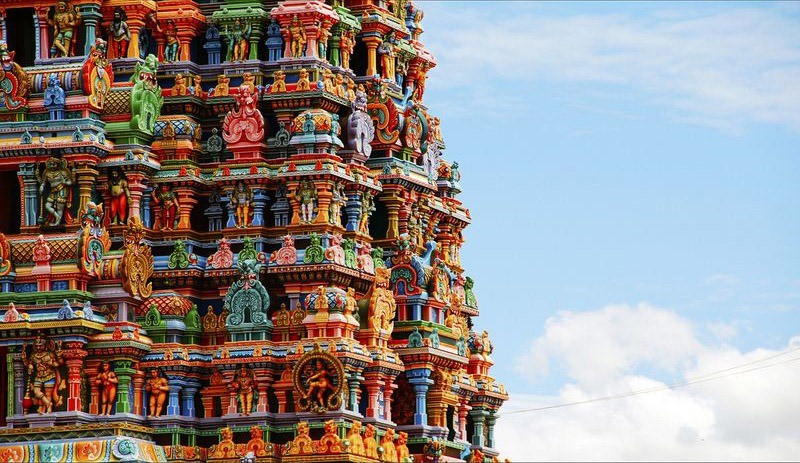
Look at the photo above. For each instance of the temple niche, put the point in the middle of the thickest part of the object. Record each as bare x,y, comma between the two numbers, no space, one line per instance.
230,230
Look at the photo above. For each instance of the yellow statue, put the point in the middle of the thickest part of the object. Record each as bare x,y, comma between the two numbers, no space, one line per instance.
106,380
354,437
330,442
297,37
278,83
244,383
242,197
327,80
402,449
223,85
302,444
387,442
303,84
370,445
179,89
44,379
64,21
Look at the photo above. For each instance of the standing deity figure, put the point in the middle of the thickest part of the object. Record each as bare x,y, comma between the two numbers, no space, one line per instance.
64,20
238,45
158,387
307,196
338,200
44,379
347,43
323,34
241,198
173,43
119,33
169,206
297,37
244,384
106,380
367,207
120,195
59,178
387,52
419,89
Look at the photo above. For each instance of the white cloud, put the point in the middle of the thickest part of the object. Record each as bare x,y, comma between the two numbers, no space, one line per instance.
746,416
725,69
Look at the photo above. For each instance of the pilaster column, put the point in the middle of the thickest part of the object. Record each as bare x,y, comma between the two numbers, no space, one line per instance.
463,411
19,382
186,201
226,204
123,370
188,399
173,404
352,210
29,194
74,355
372,43
137,189
490,421
387,399
135,26
393,202
373,384
419,378
42,35
86,178
147,210
324,196
478,422
138,397
353,383
90,17
259,203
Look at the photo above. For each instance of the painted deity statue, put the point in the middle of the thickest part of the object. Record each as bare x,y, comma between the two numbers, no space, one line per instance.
168,201
158,387
338,200
120,196
347,44
244,385
367,207
64,21
59,178
172,46
107,381
238,36
307,196
297,37
241,199
387,52
323,34
44,379
319,383
119,34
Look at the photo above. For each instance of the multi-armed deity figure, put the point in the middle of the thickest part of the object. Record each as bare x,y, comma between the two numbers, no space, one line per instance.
241,199
119,33
59,178
238,36
120,195
158,387
307,197
64,20
44,379
297,37
244,384
106,381
169,205
319,385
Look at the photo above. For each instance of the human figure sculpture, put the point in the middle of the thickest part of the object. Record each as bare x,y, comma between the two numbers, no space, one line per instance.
297,37
360,128
347,44
179,88
339,86
59,178
238,36
158,387
241,198
387,442
307,196
223,85
169,205
367,207
244,385
278,82
120,195
44,379
173,43
370,444
323,34
387,52
119,34
303,84
319,383
354,437
64,20
106,380
338,200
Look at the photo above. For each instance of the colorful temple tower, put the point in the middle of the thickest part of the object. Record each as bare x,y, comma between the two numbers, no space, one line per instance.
228,233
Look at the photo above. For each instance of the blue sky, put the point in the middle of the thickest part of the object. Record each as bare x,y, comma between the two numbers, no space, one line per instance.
629,166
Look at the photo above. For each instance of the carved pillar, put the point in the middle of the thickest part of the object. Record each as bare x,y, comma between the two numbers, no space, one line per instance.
124,372
173,404
90,17
352,210
353,383
478,422
137,189
259,203
490,421
42,32
135,26
19,382
86,178
29,194
138,397
463,411
74,356
387,399
186,202
372,43
373,384
393,202
324,196
3,32
147,212
188,398
419,378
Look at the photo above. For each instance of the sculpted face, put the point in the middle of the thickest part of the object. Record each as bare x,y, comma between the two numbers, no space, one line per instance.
154,374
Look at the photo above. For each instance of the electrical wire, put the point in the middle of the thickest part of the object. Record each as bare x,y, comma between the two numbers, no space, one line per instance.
688,382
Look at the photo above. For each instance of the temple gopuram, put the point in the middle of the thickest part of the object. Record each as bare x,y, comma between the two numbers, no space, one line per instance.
228,233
